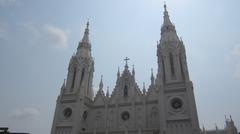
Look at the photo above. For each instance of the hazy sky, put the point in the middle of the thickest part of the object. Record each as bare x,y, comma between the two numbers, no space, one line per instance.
37,39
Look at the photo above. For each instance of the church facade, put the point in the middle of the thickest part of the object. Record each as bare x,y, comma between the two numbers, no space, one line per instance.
167,106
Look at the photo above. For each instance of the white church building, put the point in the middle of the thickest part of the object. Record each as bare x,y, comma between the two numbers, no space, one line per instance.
167,106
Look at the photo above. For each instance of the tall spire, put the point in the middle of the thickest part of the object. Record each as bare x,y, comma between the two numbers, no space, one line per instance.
166,16
85,42
168,32
86,33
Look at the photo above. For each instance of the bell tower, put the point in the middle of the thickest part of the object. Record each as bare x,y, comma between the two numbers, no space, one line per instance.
76,91
171,54
177,102
81,68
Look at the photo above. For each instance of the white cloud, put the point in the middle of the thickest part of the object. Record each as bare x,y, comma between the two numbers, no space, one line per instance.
7,3
56,36
25,113
28,33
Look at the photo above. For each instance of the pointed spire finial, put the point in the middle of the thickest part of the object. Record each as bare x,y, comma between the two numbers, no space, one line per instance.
107,94
165,6
166,20
144,89
88,23
152,77
86,33
133,71
101,83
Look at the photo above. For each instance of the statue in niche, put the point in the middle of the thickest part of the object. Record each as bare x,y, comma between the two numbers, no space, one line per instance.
154,116
98,120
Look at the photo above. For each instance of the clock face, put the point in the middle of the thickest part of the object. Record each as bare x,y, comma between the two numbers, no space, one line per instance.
176,103
125,115
67,112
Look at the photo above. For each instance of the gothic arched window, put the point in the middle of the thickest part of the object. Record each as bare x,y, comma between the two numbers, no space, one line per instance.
73,78
181,65
125,92
172,64
82,76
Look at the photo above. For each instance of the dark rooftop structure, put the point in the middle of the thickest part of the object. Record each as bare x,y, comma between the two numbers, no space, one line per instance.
4,130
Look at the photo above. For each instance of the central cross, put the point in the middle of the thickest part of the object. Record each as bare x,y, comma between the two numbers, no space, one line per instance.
126,59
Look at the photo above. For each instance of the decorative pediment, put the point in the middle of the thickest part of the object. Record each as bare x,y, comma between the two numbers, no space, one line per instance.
100,98
152,93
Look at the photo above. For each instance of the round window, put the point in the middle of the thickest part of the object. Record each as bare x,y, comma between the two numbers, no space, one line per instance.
176,103
125,115
67,112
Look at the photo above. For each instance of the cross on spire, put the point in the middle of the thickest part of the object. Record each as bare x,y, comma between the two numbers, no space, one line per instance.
126,59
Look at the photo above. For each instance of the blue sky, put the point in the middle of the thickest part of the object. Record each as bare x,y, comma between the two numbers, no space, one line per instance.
37,39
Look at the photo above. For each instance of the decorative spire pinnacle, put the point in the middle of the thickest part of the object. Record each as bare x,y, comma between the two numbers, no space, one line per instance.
165,6
86,33
85,40
152,77
168,31
88,24
101,83
133,71
144,89
107,94
166,16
